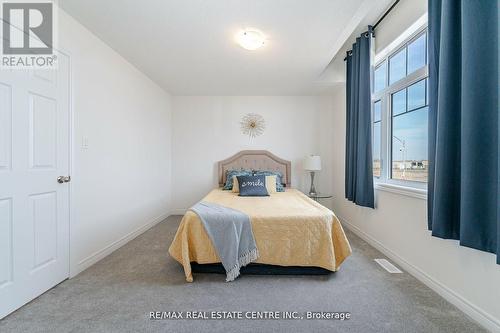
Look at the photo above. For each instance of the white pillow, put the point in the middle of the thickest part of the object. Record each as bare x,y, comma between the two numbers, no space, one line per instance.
270,184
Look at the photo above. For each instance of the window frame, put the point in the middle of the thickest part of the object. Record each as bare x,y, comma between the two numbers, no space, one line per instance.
384,181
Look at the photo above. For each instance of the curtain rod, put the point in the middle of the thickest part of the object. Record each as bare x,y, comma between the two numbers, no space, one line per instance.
385,14
381,19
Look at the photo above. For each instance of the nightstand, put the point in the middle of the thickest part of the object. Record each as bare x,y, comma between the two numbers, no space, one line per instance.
319,196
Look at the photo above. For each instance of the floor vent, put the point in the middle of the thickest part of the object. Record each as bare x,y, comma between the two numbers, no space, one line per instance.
387,266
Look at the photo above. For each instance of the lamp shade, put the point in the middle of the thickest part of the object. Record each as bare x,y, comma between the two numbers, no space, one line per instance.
312,163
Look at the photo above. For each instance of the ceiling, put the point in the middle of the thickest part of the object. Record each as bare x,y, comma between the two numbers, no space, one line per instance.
188,46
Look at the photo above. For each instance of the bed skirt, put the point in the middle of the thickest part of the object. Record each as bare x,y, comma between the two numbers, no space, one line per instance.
261,269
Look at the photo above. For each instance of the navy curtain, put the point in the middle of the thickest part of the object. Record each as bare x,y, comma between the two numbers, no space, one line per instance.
464,176
358,155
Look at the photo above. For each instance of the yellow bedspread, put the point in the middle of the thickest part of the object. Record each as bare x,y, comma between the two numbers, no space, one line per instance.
289,228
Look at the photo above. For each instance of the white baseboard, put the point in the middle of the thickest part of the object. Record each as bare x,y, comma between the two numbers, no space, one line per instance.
107,250
479,315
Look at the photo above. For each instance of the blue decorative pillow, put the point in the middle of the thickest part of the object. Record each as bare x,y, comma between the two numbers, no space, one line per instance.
229,177
279,178
252,186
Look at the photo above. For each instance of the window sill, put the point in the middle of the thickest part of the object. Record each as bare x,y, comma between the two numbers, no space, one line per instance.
403,190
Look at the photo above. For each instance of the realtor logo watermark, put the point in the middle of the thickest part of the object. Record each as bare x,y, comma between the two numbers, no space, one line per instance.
28,34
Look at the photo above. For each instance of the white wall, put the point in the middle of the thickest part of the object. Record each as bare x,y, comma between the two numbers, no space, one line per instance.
122,181
398,225
206,130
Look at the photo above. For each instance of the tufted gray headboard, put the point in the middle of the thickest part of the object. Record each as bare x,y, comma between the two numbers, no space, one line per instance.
255,160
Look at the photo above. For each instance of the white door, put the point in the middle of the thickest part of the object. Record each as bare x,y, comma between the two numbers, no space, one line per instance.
34,206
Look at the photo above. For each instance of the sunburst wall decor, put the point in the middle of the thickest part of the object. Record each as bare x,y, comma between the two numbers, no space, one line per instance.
252,124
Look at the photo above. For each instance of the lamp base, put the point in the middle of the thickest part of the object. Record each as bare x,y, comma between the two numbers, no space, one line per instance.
312,190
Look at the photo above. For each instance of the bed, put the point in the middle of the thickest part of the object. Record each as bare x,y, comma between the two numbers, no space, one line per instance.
294,234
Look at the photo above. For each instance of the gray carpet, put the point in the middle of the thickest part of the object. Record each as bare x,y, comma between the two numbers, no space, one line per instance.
117,294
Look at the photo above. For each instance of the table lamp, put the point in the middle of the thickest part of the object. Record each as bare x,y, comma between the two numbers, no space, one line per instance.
312,163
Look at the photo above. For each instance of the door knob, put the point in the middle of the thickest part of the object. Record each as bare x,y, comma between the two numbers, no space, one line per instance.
63,179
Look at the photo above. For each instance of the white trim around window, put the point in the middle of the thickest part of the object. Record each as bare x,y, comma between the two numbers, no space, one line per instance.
403,190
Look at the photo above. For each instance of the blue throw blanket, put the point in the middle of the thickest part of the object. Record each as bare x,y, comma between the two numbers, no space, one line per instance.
231,234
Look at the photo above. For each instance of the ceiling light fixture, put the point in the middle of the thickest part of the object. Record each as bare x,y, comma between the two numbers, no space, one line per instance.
251,39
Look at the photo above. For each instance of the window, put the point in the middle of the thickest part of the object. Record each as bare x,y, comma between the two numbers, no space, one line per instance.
397,66
400,112
380,77
409,135
417,54
377,144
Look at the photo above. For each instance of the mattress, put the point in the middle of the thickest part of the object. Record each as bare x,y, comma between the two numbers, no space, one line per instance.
289,228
